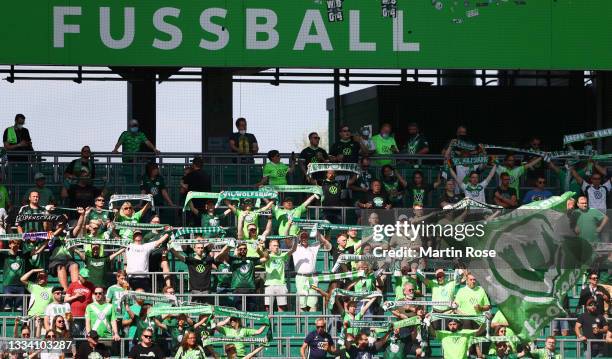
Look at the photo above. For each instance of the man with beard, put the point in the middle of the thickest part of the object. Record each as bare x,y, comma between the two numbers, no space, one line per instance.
591,325
588,222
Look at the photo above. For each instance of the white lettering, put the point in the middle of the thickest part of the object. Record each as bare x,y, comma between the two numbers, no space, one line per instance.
59,27
398,35
128,29
176,35
313,17
209,26
253,28
355,43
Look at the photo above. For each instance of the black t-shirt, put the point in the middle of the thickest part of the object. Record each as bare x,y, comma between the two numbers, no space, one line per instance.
378,201
199,271
85,350
368,353
310,155
336,252
244,142
419,195
587,294
588,320
198,181
153,352
74,167
315,342
349,149
332,190
22,134
455,198
506,193
83,196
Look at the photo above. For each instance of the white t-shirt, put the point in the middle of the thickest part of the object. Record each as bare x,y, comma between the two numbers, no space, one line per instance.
477,192
137,257
597,196
54,309
305,258
461,172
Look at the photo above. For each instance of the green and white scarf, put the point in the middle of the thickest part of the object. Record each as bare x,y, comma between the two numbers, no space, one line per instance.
40,217
130,197
261,319
369,324
402,303
332,277
495,339
346,258
149,297
215,242
191,195
199,230
141,226
347,293
408,322
225,340
465,145
470,161
24,236
157,311
579,137
340,167
294,189
237,195
471,203
72,242
480,319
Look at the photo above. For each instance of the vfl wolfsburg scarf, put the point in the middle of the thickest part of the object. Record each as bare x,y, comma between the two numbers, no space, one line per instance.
191,195
402,303
225,340
149,297
339,167
294,189
346,258
237,195
549,155
130,197
408,322
261,319
470,161
579,137
369,323
348,293
333,277
141,226
72,242
214,241
24,236
472,203
192,309
463,145
496,339
199,230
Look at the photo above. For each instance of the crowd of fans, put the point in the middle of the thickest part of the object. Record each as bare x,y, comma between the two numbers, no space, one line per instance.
274,251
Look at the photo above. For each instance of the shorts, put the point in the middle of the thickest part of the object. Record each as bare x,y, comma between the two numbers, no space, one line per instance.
276,292
53,266
307,297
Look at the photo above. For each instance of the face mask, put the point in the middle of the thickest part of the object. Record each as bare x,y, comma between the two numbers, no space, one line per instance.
19,126
242,132
133,129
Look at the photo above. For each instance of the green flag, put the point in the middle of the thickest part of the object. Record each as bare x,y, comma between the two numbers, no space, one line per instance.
538,260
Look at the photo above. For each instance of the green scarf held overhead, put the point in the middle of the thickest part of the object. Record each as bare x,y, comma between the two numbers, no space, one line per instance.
157,311
346,258
225,340
191,195
72,242
591,135
231,242
470,161
24,236
130,197
401,303
199,230
332,277
147,297
238,195
496,339
465,145
339,167
259,319
471,203
369,324
141,226
408,322
480,319
294,189
348,293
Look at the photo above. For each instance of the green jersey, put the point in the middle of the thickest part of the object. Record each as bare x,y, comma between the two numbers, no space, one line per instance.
441,292
100,317
196,353
154,187
13,268
346,317
131,143
515,176
251,217
114,294
243,272
276,173
98,269
4,196
136,309
395,348
209,220
127,233
416,143
240,333
223,280
399,283
467,298
176,334
544,354
366,284
587,223
102,216
283,215
34,260
455,344
384,146
40,297
275,269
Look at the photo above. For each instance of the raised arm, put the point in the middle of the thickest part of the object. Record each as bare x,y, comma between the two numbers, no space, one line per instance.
576,176
240,234
309,200
324,242
366,306
144,209
117,253
24,278
177,254
491,173
268,228
533,163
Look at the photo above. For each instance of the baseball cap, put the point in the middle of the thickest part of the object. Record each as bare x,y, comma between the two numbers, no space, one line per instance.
137,231
84,272
93,334
39,175
57,289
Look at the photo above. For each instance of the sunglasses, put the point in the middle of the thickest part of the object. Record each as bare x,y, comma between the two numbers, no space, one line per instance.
99,199
320,326
60,321
170,292
541,182
147,336
594,277
127,208
98,293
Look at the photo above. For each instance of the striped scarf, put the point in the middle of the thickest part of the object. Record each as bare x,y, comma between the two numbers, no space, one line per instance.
324,167
347,293
402,303
25,236
141,226
333,277
480,319
199,230
191,195
72,242
495,339
294,189
130,197
195,309
236,195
